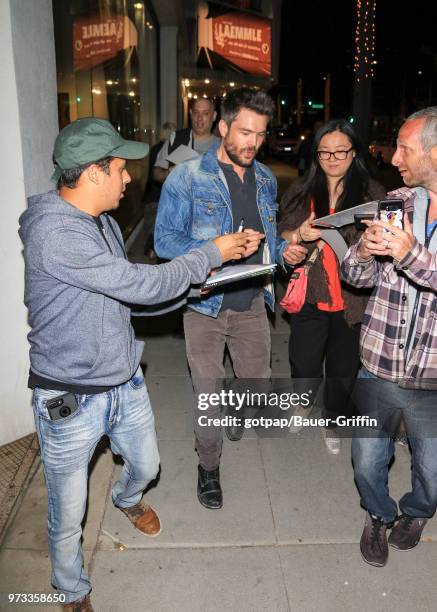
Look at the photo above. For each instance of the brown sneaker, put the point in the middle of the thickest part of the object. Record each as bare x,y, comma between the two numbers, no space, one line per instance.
81,605
406,533
373,543
144,519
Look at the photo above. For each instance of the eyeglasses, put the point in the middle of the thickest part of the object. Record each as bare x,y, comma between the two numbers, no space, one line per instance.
340,155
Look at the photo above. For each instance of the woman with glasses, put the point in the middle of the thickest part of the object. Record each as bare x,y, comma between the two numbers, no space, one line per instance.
326,330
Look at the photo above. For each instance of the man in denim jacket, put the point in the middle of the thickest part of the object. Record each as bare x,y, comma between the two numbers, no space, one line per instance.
215,194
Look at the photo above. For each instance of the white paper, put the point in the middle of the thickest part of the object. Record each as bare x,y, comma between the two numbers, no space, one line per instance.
233,273
346,217
182,154
336,242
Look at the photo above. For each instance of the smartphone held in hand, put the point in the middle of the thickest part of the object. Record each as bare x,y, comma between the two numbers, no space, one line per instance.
392,212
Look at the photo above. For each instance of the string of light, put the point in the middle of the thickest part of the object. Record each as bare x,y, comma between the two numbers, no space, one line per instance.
365,40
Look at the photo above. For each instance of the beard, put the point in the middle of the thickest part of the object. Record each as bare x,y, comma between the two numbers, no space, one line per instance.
423,175
236,155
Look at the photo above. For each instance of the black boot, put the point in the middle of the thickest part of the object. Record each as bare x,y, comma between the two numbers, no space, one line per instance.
235,430
209,491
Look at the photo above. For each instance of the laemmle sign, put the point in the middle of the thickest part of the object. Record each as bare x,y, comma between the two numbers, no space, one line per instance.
97,39
243,40
222,31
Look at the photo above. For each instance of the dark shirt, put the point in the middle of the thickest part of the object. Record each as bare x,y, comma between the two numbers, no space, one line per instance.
152,190
238,296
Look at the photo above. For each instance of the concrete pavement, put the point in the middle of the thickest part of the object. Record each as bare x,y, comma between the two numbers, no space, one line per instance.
286,538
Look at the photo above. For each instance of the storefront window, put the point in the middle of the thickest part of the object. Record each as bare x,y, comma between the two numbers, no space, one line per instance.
106,56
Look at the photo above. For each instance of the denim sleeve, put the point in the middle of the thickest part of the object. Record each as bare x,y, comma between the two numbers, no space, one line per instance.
175,212
280,243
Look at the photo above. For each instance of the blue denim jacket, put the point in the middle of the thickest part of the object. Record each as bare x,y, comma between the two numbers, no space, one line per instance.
195,206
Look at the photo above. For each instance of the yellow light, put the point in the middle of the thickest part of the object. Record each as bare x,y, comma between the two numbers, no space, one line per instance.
190,95
232,84
204,96
109,82
133,80
138,5
195,96
186,82
207,81
365,32
96,91
131,93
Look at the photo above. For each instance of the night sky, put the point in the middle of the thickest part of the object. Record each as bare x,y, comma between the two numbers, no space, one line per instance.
318,37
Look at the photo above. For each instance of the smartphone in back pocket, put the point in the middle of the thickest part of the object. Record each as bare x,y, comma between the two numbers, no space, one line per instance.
62,406
392,212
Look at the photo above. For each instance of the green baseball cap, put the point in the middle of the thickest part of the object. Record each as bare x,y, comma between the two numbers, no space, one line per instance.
89,139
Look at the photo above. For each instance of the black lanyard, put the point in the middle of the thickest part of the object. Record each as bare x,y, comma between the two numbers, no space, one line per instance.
419,290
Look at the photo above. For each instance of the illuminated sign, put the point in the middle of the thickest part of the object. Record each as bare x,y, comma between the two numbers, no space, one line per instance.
243,40
97,39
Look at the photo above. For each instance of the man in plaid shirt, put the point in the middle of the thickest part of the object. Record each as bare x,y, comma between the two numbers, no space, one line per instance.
399,346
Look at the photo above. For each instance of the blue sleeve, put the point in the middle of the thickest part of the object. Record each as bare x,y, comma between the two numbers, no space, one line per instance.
174,218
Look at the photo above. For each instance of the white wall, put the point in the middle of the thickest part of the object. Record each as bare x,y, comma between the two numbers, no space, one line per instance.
28,125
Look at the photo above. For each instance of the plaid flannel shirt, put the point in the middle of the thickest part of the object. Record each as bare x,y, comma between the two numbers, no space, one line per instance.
384,330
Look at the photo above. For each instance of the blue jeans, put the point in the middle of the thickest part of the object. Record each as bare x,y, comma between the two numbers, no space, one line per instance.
125,415
372,455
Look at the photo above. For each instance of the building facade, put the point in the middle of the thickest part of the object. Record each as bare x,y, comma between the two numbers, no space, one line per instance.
136,63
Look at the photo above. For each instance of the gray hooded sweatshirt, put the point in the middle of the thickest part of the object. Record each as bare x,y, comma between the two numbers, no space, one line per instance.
79,294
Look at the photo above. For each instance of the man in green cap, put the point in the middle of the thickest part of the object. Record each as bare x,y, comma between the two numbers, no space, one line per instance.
84,358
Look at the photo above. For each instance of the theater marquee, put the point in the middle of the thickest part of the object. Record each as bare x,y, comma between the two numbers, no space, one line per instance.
97,39
244,41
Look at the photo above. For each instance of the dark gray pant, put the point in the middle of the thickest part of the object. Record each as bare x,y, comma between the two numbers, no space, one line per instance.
247,336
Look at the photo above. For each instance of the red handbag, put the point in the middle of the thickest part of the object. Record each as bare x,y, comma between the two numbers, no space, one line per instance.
294,297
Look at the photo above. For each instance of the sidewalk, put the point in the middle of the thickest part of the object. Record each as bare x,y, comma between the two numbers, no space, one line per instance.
286,538
17,461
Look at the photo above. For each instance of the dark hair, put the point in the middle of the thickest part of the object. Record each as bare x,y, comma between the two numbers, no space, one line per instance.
355,181
246,97
69,178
